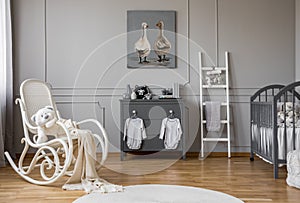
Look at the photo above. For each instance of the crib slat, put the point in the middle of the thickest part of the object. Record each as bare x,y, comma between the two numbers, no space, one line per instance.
294,120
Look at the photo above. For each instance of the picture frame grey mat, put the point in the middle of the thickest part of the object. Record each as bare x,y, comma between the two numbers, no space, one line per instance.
141,54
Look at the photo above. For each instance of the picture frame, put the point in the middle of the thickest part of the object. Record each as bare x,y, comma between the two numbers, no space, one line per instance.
151,39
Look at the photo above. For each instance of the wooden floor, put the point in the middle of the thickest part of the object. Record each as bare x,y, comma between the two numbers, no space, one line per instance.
249,181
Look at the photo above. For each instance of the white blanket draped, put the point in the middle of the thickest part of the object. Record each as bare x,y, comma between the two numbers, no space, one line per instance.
85,176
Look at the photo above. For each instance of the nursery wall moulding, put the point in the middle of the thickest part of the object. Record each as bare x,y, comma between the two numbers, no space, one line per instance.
151,39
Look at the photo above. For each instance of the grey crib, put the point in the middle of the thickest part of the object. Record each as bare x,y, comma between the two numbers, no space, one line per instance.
269,140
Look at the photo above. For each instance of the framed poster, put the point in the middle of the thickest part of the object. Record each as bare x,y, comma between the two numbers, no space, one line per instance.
151,39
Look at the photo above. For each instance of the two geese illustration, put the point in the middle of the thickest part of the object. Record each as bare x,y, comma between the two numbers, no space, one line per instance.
162,45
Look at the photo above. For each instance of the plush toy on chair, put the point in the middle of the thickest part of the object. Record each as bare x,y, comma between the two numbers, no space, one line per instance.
43,118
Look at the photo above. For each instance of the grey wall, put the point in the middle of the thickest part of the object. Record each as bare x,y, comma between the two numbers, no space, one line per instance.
297,40
80,48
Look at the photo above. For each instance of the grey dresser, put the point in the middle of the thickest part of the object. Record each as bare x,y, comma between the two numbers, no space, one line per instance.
152,112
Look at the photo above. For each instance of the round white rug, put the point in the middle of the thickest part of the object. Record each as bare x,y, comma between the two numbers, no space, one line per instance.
160,194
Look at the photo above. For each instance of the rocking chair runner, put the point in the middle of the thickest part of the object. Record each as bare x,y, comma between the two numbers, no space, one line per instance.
53,157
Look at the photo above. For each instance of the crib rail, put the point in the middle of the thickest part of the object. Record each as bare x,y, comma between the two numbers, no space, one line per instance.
266,93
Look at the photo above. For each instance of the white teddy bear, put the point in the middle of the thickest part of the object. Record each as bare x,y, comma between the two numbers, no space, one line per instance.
43,118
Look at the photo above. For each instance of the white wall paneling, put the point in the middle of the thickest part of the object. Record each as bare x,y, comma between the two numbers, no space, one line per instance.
80,48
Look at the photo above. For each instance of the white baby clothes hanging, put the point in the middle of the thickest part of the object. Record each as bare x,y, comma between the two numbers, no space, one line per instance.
171,132
134,130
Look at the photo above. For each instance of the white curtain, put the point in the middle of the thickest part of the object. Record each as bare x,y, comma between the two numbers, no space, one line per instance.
6,82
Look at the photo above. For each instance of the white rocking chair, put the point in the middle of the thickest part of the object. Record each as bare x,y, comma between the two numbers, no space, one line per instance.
55,156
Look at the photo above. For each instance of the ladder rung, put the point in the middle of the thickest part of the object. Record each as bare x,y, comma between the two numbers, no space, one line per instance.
222,121
213,68
222,103
214,86
215,139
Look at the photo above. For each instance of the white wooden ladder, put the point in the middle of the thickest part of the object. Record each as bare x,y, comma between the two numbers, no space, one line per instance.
224,104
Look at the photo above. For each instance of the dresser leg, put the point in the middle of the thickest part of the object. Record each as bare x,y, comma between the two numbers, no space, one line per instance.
122,155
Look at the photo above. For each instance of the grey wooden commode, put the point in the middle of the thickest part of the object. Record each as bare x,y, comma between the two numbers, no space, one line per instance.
152,112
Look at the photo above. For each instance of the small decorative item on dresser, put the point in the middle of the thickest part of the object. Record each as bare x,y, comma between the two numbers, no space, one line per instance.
148,96
133,95
167,91
175,90
127,94
141,91
129,91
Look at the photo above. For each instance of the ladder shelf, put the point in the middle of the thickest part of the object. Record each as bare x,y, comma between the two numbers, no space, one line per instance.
224,104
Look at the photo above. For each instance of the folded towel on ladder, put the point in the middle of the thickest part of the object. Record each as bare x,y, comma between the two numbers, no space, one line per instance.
213,115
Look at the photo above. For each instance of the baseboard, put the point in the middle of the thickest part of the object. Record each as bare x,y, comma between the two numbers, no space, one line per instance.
188,154
220,154
196,154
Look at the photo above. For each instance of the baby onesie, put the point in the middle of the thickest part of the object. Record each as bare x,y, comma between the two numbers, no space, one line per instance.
171,132
134,129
